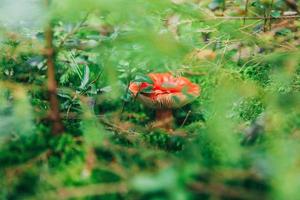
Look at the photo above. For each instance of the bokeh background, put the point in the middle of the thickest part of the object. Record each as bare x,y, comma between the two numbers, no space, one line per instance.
80,135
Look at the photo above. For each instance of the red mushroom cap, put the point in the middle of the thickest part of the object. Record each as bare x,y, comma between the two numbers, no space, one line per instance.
166,91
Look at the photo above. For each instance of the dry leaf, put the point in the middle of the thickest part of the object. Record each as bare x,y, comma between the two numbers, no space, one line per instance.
205,54
178,1
172,24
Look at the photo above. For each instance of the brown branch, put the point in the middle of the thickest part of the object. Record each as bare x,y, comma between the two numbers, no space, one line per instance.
57,126
84,191
90,161
221,190
192,73
212,18
254,18
246,11
13,171
132,136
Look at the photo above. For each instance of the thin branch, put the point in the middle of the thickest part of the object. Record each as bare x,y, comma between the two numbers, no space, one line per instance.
13,171
253,18
84,191
212,18
130,135
270,12
246,11
224,5
82,92
57,126
192,73
186,117
221,190
74,30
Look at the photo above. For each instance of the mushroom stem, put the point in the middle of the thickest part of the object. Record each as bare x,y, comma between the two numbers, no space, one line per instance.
164,118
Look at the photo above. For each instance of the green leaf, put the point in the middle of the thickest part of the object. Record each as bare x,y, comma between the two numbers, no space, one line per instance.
143,78
147,89
275,13
86,78
215,4
165,179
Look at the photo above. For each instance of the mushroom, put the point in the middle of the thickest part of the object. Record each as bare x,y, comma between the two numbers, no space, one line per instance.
165,93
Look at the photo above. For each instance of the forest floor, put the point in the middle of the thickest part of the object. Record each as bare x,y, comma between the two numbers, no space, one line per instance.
71,126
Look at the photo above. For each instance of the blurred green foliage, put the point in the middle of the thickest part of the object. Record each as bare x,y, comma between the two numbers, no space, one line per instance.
238,140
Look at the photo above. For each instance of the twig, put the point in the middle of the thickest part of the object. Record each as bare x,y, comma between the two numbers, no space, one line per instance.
224,5
82,92
191,73
186,117
246,11
265,20
270,12
12,172
124,101
83,191
132,136
74,30
220,61
212,18
252,18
